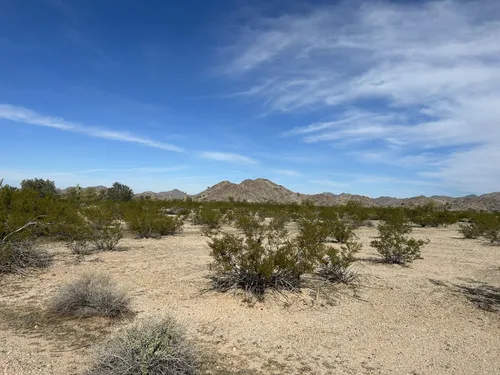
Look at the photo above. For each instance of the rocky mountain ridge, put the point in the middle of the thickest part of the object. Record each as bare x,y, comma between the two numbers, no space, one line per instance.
262,190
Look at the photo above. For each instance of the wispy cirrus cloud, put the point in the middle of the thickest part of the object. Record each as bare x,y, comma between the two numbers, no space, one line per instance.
288,172
411,77
228,157
27,116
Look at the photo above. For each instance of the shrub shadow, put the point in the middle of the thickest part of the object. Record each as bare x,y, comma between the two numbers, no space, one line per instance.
483,295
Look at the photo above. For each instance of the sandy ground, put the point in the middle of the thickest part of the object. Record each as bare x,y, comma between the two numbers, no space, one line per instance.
439,316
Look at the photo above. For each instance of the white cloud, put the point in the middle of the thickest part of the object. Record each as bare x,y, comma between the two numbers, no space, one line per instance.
27,116
228,157
331,184
288,172
412,76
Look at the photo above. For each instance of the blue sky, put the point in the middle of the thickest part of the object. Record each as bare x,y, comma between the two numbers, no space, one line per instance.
377,98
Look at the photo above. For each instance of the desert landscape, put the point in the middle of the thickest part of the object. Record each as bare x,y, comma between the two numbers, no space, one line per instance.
440,315
250,187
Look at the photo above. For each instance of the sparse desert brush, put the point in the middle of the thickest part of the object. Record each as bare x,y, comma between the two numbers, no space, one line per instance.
470,230
265,256
394,244
157,346
341,229
150,222
336,265
492,232
19,252
16,257
90,295
209,218
486,225
105,227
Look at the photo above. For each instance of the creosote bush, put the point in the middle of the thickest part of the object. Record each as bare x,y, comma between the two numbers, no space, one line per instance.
150,222
336,266
482,225
394,244
90,295
260,259
470,230
265,256
157,346
104,226
208,217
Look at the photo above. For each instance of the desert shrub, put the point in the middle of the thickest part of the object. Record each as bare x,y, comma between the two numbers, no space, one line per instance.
90,295
16,257
485,225
312,233
394,244
249,222
45,188
209,218
264,257
470,230
19,252
151,222
341,229
492,233
104,226
119,193
336,265
157,346
262,260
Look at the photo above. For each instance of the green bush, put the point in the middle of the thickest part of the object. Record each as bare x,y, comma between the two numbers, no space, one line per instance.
153,347
336,266
486,225
394,244
470,230
104,226
44,188
264,257
150,222
119,193
90,295
209,218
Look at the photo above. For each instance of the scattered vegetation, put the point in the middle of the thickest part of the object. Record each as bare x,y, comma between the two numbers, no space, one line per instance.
90,295
45,188
119,193
265,256
156,346
208,217
104,226
394,244
18,251
482,225
148,221
337,265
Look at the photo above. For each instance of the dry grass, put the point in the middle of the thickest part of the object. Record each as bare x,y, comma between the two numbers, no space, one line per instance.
90,295
156,346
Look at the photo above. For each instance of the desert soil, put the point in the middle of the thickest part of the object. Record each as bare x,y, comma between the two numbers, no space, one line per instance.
439,316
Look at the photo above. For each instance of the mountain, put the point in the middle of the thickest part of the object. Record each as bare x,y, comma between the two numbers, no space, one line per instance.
255,191
164,195
262,191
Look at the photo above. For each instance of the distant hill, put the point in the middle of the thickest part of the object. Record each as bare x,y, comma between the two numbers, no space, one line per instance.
255,191
262,190
164,195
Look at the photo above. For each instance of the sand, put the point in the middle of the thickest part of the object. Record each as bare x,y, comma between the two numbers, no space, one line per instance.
441,315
